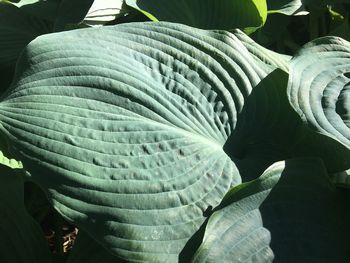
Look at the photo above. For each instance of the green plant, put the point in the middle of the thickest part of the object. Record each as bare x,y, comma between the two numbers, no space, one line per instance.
164,142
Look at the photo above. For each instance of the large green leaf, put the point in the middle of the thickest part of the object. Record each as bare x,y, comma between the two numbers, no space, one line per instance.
298,205
125,126
319,91
208,14
21,239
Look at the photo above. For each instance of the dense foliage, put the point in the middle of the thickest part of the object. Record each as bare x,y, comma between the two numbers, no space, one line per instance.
175,131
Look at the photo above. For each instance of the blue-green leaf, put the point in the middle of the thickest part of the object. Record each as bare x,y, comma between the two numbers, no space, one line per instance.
125,127
319,91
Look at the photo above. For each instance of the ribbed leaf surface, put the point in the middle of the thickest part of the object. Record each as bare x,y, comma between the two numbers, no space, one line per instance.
126,125
319,91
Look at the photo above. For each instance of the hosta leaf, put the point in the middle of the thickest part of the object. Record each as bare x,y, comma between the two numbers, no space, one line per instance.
319,91
209,14
235,231
297,204
287,7
125,127
21,239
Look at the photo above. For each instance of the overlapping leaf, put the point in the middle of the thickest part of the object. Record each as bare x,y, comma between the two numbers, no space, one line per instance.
208,14
296,202
126,125
319,91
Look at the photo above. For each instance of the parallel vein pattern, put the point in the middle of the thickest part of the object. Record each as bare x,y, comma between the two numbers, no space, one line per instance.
125,130
319,91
